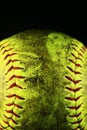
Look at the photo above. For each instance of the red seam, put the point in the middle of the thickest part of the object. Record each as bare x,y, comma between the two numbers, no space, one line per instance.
74,90
14,84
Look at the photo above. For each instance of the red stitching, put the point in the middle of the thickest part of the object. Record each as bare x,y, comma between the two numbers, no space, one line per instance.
73,89
9,55
16,96
76,115
2,47
6,51
74,81
13,113
78,65
15,122
6,122
84,48
75,107
75,72
15,76
13,104
2,127
76,57
77,122
74,49
82,51
11,127
80,54
81,128
9,61
6,117
73,99
13,68
14,85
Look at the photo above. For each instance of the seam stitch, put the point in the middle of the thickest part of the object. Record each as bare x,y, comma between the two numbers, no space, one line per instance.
76,88
6,51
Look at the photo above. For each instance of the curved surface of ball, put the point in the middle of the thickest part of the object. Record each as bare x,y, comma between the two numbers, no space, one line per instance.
43,82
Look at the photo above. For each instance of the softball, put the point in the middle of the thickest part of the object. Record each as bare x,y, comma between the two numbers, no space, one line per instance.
43,83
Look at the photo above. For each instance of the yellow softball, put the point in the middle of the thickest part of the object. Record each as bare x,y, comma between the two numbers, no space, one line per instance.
43,82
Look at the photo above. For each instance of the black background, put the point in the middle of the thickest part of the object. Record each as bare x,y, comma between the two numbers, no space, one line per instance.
71,21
